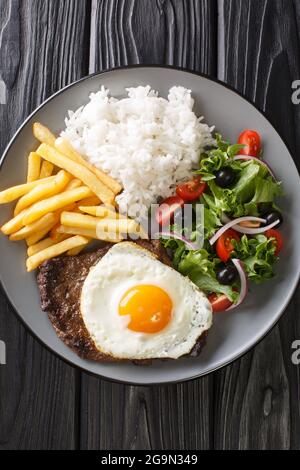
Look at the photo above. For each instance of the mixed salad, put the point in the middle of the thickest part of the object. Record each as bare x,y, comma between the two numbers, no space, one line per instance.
239,192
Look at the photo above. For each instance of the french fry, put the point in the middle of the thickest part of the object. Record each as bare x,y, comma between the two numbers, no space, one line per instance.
13,193
14,224
34,167
63,230
36,237
79,171
55,250
53,234
43,191
43,223
46,169
71,219
45,243
90,201
65,147
76,251
69,208
109,237
54,203
101,211
117,225
74,183
43,134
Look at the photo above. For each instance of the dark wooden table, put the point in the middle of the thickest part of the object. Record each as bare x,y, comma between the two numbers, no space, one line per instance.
254,46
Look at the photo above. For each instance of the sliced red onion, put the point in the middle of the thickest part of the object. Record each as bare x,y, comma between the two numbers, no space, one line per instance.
255,231
235,222
249,230
249,157
244,283
177,236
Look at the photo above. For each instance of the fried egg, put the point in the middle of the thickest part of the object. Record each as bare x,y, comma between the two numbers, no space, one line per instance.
135,307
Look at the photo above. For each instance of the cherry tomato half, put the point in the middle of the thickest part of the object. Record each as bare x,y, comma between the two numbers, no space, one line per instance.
191,190
224,246
219,303
278,242
252,142
164,213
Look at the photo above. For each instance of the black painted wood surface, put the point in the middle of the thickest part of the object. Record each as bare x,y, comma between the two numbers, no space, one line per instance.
250,44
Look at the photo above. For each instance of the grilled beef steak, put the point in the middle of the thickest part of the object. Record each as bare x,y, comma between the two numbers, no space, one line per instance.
60,283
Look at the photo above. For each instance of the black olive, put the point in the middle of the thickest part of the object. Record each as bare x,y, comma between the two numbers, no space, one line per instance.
264,207
225,177
272,217
227,275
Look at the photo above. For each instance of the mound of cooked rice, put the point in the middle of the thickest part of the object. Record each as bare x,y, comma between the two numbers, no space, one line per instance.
148,143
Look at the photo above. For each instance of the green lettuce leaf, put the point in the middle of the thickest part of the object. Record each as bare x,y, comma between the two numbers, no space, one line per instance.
253,185
198,259
211,222
226,200
200,267
250,189
218,158
244,188
266,190
210,284
258,256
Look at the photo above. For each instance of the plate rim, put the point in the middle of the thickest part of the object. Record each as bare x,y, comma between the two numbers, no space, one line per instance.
11,302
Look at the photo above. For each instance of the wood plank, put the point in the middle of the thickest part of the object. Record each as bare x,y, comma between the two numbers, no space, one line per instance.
160,417
164,417
43,46
257,398
174,32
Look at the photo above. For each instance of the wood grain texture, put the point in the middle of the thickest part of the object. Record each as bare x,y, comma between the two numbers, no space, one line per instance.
160,417
257,398
174,32
167,417
38,42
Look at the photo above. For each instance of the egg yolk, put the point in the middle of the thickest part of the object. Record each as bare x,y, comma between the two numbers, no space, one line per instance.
149,308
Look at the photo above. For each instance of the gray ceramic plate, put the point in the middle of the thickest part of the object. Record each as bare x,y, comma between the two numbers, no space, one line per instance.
233,333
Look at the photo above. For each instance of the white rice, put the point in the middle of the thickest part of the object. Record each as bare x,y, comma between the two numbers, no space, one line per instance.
148,143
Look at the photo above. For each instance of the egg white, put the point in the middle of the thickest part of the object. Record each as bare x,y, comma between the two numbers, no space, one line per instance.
127,265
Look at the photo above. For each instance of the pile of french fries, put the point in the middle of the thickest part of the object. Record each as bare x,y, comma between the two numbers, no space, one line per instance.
65,203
